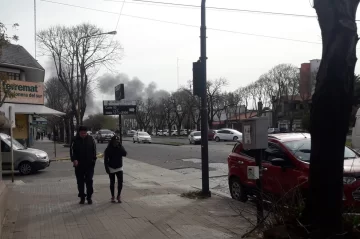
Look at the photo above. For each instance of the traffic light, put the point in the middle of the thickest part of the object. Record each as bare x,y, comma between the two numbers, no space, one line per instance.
198,84
122,92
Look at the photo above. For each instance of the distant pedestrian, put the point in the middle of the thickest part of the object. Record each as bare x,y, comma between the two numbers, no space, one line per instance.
83,156
113,160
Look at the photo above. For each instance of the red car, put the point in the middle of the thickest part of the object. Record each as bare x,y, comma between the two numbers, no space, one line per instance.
285,166
211,133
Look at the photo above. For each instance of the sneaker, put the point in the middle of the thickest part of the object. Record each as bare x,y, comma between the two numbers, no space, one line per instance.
113,199
82,201
118,199
90,201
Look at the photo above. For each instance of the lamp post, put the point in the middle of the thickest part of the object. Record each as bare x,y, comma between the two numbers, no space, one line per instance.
77,65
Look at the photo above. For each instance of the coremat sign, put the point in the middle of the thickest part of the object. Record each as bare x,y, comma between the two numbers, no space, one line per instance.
25,92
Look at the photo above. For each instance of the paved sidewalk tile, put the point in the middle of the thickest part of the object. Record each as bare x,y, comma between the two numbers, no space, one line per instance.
50,209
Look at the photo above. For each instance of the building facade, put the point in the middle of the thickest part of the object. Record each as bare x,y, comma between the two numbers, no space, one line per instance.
24,77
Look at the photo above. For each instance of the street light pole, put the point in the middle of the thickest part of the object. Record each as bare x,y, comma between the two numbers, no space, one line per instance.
77,66
204,113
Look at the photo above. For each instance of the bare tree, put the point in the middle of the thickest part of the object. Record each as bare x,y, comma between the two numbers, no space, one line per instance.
168,108
77,52
215,100
5,39
333,96
145,109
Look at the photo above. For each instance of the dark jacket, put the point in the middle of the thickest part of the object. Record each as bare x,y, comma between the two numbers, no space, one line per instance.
113,156
84,151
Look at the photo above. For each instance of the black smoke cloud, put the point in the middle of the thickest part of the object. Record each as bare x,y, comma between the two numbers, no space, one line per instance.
134,89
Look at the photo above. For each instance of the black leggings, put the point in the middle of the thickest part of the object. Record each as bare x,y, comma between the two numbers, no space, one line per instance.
119,176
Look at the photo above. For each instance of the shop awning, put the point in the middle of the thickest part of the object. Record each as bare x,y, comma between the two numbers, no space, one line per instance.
35,110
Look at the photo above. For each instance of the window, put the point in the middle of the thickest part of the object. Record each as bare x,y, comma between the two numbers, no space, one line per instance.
4,147
226,132
221,132
274,151
13,76
197,134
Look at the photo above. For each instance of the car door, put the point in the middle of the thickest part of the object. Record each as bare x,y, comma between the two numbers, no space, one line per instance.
278,180
227,135
238,162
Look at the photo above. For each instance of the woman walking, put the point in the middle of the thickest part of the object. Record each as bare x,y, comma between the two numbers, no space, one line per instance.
114,165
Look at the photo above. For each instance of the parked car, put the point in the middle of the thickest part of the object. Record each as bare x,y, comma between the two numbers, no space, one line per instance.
273,130
165,132
211,134
174,132
227,135
142,137
130,133
26,160
195,137
285,167
183,132
104,135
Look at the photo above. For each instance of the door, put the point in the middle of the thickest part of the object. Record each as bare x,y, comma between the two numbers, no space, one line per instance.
278,180
225,135
6,156
238,161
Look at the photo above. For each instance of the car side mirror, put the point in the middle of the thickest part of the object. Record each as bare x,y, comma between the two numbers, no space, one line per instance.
278,162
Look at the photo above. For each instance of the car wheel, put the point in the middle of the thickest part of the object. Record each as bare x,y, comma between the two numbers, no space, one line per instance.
25,168
237,190
190,141
235,138
217,139
134,141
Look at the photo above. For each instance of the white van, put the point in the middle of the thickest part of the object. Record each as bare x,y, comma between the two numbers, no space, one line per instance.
355,138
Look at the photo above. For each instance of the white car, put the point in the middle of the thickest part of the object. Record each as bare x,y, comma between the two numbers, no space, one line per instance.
195,137
142,137
174,133
165,133
227,135
183,132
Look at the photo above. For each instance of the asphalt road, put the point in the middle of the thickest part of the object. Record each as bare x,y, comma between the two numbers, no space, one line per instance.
173,157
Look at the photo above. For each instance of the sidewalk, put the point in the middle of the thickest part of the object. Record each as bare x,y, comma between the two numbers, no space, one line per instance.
151,208
49,147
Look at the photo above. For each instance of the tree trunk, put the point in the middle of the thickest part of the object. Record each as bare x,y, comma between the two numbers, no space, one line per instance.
331,107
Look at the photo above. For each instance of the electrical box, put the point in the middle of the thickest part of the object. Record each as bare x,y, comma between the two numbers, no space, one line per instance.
255,133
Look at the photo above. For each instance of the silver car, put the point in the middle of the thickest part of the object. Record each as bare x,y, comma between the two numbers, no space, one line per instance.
26,160
142,137
195,137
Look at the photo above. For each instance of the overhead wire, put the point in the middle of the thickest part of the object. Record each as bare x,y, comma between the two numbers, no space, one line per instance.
217,8
184,24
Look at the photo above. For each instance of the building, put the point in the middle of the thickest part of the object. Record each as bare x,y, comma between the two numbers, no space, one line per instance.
25,78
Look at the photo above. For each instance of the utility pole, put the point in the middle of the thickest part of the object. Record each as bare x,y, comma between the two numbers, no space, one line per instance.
35,27
204,113
120,95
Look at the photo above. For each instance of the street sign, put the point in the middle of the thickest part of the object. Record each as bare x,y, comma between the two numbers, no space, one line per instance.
119,102
123,107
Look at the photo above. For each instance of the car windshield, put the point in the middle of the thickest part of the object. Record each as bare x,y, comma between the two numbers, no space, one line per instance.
16,144
143,134
197,134
302,148
105,132
236,132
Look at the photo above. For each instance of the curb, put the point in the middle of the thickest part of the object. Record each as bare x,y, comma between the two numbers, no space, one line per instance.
161,143
99,155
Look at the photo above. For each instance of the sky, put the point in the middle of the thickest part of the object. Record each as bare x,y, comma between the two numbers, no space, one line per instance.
163,53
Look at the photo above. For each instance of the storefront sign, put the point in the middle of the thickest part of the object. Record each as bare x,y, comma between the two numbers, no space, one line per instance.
25,92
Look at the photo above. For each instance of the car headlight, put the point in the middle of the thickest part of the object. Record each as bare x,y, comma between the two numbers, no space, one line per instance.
349,180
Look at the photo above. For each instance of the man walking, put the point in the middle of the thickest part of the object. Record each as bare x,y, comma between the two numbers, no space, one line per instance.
83,156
